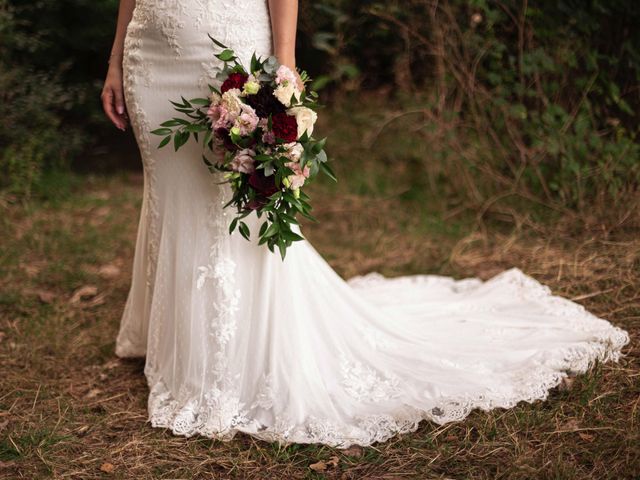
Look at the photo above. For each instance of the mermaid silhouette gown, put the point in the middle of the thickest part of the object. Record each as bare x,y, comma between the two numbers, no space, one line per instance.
236,340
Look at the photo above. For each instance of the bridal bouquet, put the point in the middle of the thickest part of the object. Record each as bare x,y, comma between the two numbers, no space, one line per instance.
259,125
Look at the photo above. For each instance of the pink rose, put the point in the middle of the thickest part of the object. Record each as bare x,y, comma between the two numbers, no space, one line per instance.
244,161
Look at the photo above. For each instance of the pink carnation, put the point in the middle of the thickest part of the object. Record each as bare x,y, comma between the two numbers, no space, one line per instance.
285,74
244,162
247,121
299,174
269,137
220,117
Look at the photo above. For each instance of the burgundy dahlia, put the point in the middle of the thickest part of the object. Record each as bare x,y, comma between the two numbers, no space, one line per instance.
235,80
223,136
285,127
265,103
265,186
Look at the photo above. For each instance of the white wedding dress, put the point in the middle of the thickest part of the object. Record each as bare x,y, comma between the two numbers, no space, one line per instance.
236,340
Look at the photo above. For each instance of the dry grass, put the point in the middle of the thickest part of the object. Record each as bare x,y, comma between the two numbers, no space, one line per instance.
71,409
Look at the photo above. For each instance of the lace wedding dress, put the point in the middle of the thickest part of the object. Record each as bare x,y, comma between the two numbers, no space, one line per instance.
236,340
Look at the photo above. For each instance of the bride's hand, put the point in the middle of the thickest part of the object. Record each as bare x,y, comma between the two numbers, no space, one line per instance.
113,97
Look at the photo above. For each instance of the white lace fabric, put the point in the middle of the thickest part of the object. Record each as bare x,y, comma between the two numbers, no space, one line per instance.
238,341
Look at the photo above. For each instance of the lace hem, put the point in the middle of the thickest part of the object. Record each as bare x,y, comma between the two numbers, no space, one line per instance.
225,417
190,419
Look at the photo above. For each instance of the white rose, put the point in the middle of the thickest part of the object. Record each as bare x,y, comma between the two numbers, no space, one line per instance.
231,101
306,119
285,92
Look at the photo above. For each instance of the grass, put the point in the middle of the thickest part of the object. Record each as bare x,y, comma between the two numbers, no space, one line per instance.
70,409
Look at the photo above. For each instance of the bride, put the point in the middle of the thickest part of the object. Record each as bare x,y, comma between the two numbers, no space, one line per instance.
236,340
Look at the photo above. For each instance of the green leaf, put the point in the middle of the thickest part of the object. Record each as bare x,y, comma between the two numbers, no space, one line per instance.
170,123
271,231
289,235
179,139
200,101
326,169
226,55
162,131
244,230
283,249
233,225
221,45
164,141
263,228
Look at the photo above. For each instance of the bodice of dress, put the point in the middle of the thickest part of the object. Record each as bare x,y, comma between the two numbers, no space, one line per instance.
183,25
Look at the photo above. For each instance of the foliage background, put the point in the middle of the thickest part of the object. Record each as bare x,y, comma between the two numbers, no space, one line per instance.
468,136
512,100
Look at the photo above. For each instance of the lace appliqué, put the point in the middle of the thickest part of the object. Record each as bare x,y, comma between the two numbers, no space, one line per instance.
363,383
164,15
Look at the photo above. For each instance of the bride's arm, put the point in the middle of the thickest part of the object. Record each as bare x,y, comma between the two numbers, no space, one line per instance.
112,92
284,22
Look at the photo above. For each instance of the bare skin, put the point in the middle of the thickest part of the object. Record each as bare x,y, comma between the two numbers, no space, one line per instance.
113,93
284,19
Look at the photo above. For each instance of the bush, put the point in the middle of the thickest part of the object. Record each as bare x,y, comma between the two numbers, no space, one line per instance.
534,100
51,66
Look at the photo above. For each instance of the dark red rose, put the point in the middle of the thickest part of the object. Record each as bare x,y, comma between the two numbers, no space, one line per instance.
285,127
235,80
265,186
222,135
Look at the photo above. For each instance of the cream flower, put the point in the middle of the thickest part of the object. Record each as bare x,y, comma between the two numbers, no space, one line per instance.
306,119
215,99
285,91
231,101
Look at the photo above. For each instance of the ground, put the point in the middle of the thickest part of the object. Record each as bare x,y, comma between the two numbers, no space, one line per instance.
69,408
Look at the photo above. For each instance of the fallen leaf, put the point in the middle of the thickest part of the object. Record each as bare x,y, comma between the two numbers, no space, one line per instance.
113,363
94,392
107,467
102,211
451,438
566,384
354,451
108,271
587,437
4,465
320,466
84,291
2,335
45,296
97,300
570,425
31,269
